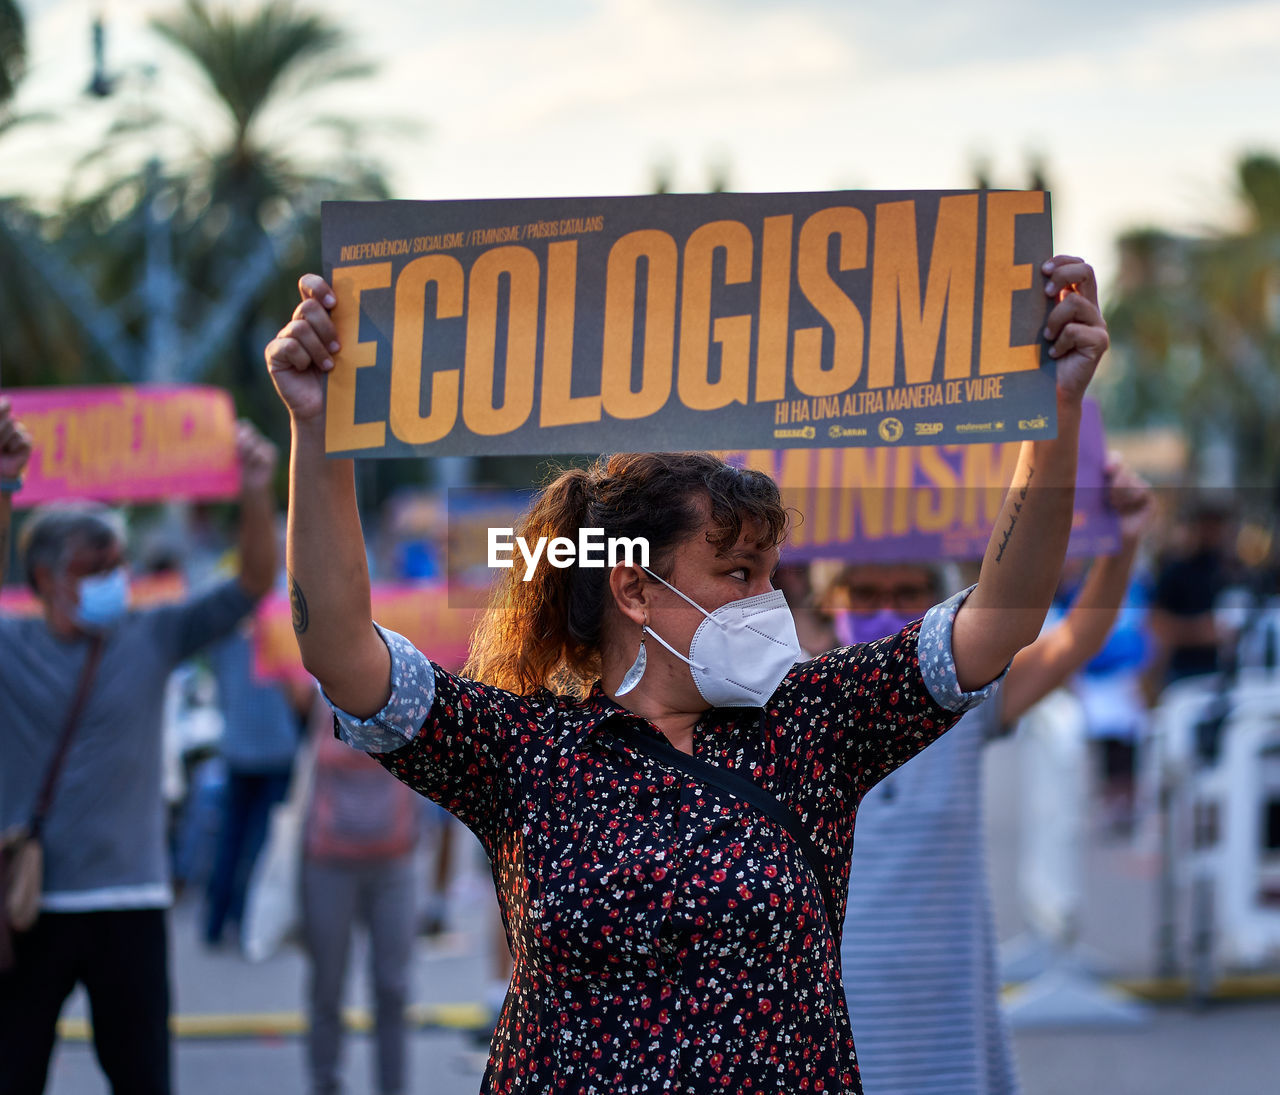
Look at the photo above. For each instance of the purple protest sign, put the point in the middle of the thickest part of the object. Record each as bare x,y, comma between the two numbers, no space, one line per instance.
921,503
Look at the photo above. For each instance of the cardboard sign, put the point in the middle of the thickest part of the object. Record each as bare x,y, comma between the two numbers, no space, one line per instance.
909,504
120,443
688,322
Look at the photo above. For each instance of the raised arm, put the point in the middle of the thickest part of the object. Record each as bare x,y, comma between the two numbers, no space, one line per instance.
1061,652
15,451
328,573
259,555
1029,542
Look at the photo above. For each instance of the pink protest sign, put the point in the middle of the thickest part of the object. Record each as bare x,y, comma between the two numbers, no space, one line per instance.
119,443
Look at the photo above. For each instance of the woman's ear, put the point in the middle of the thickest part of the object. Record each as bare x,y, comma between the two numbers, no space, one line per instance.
630,591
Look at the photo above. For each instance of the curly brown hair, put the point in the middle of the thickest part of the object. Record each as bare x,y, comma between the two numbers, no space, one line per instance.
548,632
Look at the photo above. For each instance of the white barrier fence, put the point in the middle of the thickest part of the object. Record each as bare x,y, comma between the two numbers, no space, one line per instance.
1052,745
1220,889
1225,834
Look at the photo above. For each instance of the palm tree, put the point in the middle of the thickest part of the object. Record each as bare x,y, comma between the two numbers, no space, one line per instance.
235,216
13,49
1196,324
38,333
253,63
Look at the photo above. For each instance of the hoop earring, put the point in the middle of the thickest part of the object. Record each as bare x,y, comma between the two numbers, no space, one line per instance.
632,676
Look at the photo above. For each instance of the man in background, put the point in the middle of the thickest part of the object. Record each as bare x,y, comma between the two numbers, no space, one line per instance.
106,881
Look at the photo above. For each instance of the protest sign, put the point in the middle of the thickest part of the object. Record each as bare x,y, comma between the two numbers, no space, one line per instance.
908,504
688,321
421,613
120,443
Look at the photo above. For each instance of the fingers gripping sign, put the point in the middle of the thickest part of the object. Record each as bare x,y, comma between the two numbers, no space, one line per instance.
302,351
1075,327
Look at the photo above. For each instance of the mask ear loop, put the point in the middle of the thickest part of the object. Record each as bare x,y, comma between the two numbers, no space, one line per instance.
649,630
691,664
710,616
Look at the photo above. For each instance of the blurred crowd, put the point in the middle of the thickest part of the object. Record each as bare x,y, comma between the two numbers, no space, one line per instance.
278,831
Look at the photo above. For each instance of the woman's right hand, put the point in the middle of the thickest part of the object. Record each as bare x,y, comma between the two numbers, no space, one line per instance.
302,352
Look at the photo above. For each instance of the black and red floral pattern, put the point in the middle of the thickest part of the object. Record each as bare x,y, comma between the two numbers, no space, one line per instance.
667,939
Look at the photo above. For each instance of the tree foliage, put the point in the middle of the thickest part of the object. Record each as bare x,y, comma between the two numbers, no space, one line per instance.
184,221
13,49
1195,322
38,327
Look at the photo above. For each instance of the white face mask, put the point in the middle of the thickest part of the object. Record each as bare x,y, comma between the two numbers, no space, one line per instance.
741,651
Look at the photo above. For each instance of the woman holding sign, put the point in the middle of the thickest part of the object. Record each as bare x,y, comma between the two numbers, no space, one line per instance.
667,799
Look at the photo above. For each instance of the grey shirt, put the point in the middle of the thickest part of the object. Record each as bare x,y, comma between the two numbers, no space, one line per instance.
919,946
261,730
104,837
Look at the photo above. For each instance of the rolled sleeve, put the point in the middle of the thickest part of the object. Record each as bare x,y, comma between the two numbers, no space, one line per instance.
937,658
413,691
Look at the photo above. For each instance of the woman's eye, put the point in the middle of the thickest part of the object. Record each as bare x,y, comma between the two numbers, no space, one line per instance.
740,574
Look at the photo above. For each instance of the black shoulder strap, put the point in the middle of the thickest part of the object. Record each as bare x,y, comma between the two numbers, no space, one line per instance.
45,799
728,781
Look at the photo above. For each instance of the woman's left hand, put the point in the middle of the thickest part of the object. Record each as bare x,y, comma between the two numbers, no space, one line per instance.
1075,326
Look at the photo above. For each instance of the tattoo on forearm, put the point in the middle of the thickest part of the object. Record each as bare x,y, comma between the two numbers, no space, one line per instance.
297,602
1013,518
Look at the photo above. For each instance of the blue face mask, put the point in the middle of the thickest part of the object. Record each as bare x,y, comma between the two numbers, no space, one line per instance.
103,600
866,627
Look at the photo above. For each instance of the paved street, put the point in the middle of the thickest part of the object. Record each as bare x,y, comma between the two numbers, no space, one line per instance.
1231,1048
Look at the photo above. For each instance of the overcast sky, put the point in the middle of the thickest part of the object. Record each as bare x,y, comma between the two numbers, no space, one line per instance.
1138,108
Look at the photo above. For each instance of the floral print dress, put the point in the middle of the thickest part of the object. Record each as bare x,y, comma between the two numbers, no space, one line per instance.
668,938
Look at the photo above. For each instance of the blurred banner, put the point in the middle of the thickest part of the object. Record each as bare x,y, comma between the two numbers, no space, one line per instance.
421,613
144,592
472,512
120,443
877,506
688,321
